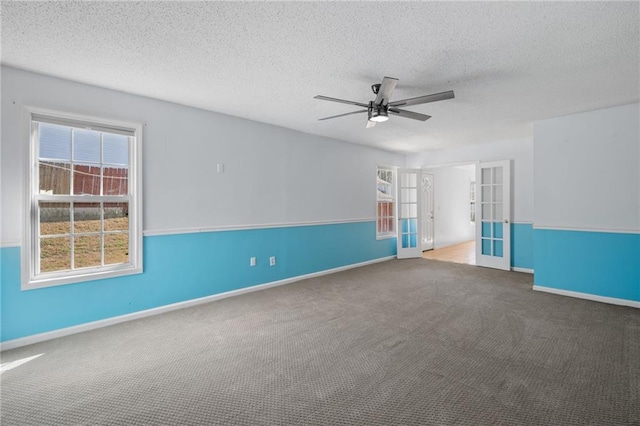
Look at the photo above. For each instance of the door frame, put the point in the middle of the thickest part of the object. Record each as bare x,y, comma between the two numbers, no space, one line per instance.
430,168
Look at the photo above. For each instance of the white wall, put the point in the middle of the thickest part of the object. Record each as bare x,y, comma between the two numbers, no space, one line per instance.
520,151
587,173
272,175
452,224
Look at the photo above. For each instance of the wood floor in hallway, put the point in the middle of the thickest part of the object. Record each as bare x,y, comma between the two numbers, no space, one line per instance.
459,253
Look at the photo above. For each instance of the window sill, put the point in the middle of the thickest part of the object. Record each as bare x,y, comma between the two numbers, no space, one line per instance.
385,236
48,281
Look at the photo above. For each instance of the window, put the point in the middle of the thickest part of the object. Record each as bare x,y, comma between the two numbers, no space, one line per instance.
84,211
385,198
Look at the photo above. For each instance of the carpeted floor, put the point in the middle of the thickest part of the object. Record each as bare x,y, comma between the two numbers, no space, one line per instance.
404,342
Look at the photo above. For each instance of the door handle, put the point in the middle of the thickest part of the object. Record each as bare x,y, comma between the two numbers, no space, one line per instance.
506,221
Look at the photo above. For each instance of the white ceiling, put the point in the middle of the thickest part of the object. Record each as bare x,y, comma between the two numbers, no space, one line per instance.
509,63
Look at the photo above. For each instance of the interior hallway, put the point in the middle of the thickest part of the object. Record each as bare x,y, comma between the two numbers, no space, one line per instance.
459,253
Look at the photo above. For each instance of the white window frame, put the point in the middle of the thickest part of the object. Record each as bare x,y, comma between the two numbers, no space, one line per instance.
30,278
393,233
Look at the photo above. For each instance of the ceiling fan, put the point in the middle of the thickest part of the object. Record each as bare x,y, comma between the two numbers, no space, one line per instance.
379,109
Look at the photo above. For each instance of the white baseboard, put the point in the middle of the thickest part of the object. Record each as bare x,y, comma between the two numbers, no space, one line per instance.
525,270
36,338
587,296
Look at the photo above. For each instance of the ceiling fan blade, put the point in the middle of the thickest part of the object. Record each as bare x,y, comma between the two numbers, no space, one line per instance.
409,114
385,91
423,99
342,101
342,115
370,123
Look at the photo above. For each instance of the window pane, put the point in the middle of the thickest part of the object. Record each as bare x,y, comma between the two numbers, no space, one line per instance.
115,149
86,179
404,180
54,218
497,229
86,146
55,254
486,229
413,180
486,212
86,217
116,216
413,195
116,248
497,193
486,193
497,211
405,195
497,248
486,247
55,142
115,181
385,209
87,251
54,177
497,175
485,176
413,240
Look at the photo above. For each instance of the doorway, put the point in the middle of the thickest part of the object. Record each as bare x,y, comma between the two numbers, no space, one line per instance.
448,214
458,253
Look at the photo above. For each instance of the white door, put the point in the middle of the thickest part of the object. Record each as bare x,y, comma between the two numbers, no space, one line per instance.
493,228
427,211
409,212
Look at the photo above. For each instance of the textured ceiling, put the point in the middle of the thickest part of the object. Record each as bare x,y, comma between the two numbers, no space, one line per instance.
509,63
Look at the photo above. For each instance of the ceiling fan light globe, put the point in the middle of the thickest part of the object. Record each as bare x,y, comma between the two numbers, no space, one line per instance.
379,118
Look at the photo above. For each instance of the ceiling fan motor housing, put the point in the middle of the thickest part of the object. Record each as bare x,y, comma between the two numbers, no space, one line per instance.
378,112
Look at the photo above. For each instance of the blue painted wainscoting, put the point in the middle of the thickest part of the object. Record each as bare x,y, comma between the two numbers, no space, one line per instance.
183,267
522,245
596,263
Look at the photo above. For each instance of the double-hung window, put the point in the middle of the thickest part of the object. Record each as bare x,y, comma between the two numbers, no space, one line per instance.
385,203
84,199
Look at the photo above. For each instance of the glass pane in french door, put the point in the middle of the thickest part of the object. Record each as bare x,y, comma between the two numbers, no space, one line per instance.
492,212
409,211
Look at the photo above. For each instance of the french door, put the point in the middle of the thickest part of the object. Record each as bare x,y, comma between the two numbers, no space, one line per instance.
493,227
409,213
426,187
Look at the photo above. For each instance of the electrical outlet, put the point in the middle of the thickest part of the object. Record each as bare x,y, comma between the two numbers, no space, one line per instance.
252,261
272,261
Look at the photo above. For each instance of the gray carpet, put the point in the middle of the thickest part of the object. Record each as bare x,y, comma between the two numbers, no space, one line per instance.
410,342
